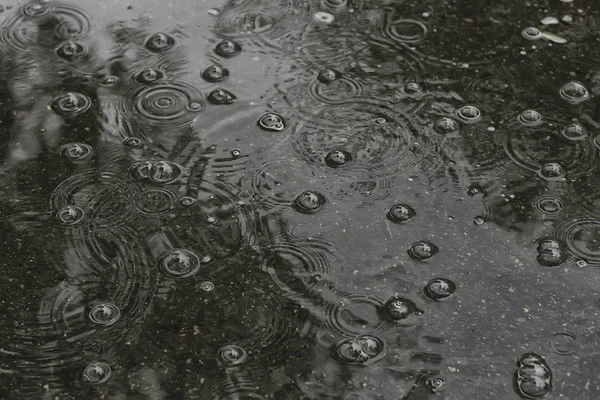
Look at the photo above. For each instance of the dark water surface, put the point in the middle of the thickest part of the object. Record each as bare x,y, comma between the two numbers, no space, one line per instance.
303,199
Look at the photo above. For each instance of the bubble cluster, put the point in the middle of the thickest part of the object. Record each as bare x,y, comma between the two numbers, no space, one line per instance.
71,50
221,97
439,289
215,73
156,171
96,373
308,202
271,122
574,92
551,252
228,49
232,355
76,151
179,263
337,158
422,250
533,379
362,350
104,314
159,42
70,215
70,105
149,75
400,213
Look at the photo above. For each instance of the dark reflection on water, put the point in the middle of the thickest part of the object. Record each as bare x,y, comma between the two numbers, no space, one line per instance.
299,200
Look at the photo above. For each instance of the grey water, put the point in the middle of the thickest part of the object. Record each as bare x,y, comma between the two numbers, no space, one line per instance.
300,199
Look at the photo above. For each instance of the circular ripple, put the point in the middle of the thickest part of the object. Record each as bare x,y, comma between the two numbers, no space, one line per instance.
179,263
379,145
581,236
232,355
29,28
404,30
71,51
168,103
159,42
240,19
155,202
76,151
530,118
549,206
96,373
338,91
104,314
574,92
70,105
70,215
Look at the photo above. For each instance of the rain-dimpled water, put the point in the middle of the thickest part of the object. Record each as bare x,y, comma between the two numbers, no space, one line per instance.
300,199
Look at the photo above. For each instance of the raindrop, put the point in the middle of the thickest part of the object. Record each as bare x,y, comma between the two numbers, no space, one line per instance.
552,171
194,106
574,92
70,104
308,202
75,151
235,153
398,309
435,384
187,201
179,263
228,49
469,114
35,9
271,122
412,87
133,142
551,253
97,372
71,51
478,221
445,126
206,259
109,80
400,213
328,75
323,17
105,314
337,158
439,288
474,190
163,172
362,350
159,42
233,355
530,118
207,286
215,73
222,97
574,132
70,215
532,33
371,345
149,75
581,263
422,250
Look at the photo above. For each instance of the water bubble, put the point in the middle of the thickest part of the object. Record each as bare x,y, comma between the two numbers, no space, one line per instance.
439,288
271,122
551,253
133,142
207,286
533,387
328,75
551,171
412,87
149,75
69,105
187,201
323,17
337,158
163,171
228,49
574,132
109,80
215,73
380,120
529,359
35,9
194,106
574,92
159,42
308,202
221,96
478,221
435,384
371,345
233,355
582,263
398,308
474,190
97,372
531,33
400,213
550,206
363,350
530,118
235,153
206,259
422,250
534,370
445,126
71,50
179,263
469,114
76,151
70,215
104,314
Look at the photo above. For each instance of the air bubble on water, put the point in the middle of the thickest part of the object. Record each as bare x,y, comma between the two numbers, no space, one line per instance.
400,213
159,42
582,263
215,73
574,132
228,48
308,202
551,252
133,142
179,263
531,33
323,17
96,373
478,221
221,97
398,309
530,118
235,153
187,201
211,220
574,92
109,80
412,87
439,288
207,286
422,250
552,171
445,125
328,75
337,158
104,314
206,259
469,114
271,122
70,215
